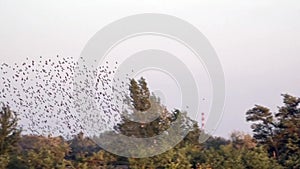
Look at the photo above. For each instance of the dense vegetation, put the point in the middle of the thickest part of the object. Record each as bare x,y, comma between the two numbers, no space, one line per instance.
275,142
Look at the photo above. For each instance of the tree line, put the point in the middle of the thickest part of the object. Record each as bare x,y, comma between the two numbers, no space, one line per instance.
275,142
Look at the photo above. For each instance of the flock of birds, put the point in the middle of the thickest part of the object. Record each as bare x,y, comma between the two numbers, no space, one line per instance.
61,96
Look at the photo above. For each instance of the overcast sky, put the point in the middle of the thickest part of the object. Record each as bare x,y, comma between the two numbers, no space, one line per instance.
257,41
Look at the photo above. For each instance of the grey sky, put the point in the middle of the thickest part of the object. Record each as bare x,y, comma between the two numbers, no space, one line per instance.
258,42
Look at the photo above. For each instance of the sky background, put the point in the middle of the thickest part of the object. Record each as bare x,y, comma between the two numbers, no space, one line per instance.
257,41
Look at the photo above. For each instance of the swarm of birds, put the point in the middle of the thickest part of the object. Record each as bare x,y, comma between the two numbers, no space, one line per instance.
61,96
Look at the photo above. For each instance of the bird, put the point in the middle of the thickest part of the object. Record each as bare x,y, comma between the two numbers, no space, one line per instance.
48,98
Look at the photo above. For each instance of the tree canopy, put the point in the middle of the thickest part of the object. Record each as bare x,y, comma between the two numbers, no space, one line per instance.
275,142
279,132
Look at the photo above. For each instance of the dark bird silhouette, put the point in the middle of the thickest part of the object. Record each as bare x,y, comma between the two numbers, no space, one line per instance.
57,97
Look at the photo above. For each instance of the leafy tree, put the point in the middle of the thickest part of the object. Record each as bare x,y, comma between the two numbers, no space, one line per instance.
9,135
81,147
41,152
139,94
215,142
231,156
140,128
134,123
264,128
241,140
98,160
279,132
176,158
4,161
258,158
288,131
145,115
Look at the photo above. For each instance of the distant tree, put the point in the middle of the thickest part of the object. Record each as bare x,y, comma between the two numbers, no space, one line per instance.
288,131
175,158
257,157
264,128
98,160
229,156
215,142
139,94
141,106
9,132
9,135
41,152
4,161
279,132
145,116
81,147
241,140
142,128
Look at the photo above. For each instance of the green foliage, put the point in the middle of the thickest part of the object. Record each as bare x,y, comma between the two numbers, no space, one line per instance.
133,128
98,160
279,132
81,147
264,129
215,142
9,133
4,160
258,158
230,157
175,158
42,152
275,143
145,116
139,94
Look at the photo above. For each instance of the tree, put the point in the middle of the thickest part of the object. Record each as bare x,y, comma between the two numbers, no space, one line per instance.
288,131
215,142
147,117
175,158
229,156
241,140
41,152
141,127
257,157
264,128
98,160
139,94
279,132
81,147
9,135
